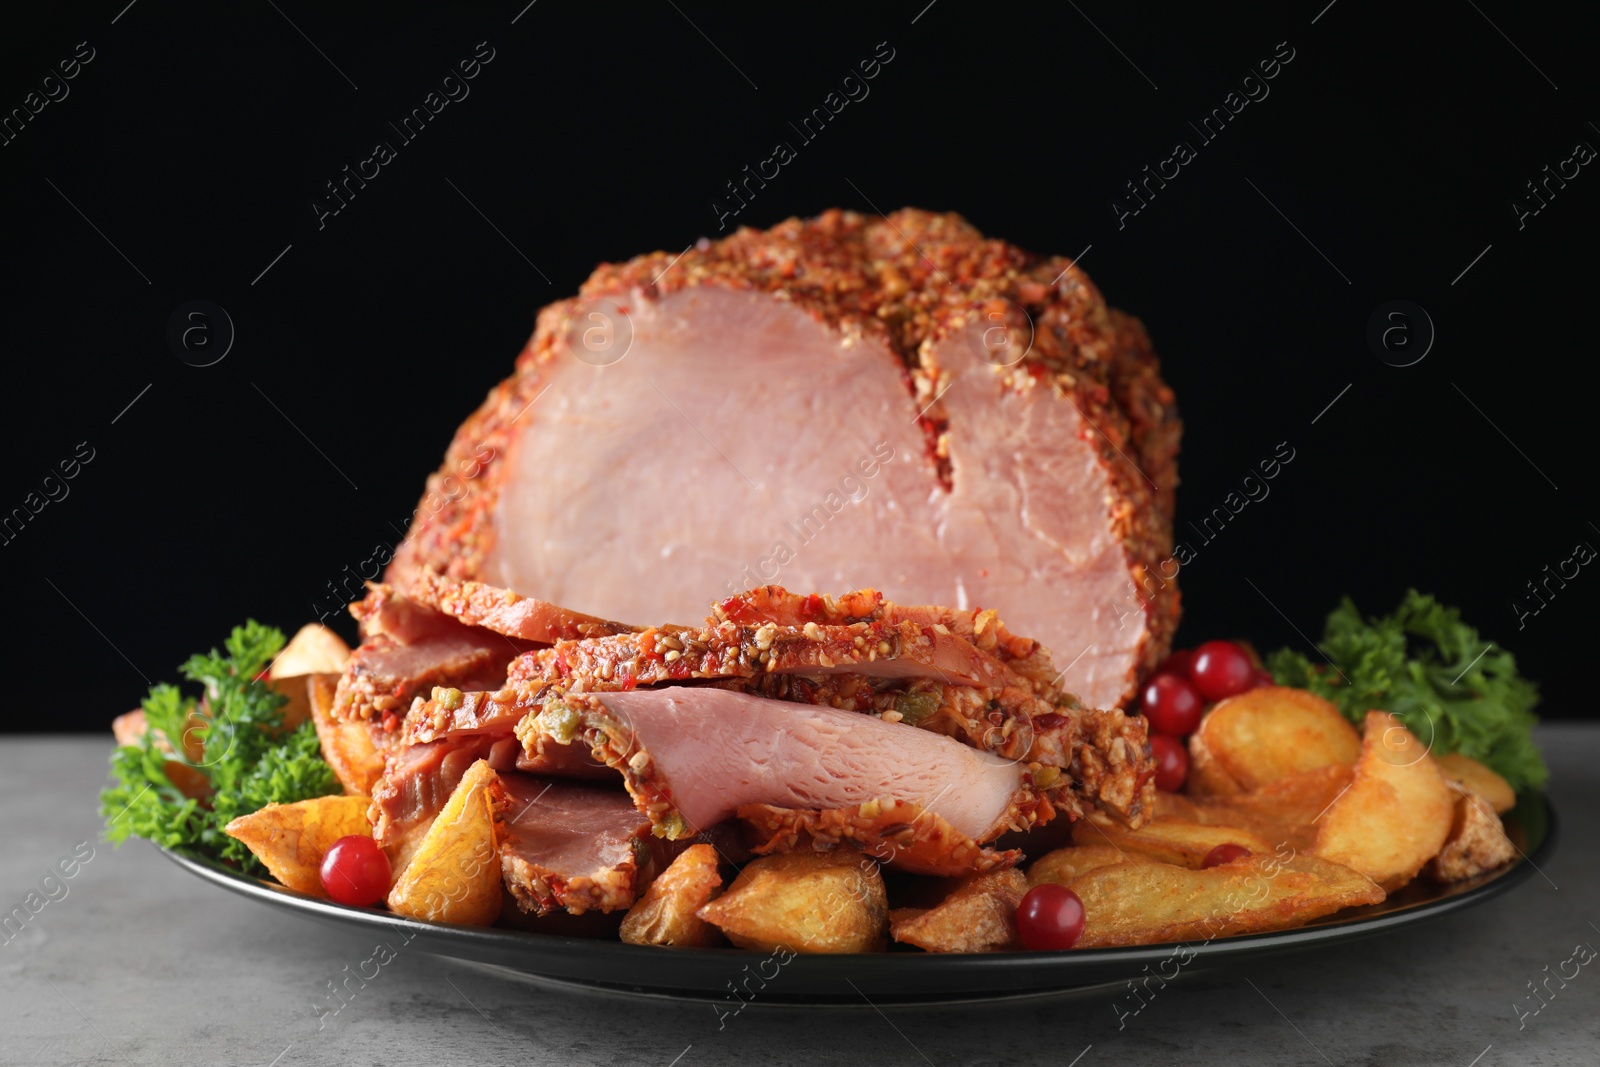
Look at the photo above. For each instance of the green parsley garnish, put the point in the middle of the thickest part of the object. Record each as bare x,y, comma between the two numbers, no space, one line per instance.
1445,683
246,757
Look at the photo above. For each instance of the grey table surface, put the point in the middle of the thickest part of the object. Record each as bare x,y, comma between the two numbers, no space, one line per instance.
141,963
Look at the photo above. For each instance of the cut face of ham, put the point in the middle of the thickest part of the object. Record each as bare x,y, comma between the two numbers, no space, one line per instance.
578,847
848,400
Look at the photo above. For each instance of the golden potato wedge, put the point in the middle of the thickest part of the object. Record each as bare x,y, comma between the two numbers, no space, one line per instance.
346,745
1476,778
666,914
1477,841
455,874
805,902
1397,812
980,915
1265,734
291,839
1176,841
1065,864
1283,812
1144,904
1206,776
314,649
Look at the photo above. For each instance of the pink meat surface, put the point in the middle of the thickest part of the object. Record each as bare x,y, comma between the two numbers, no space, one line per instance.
748,484
719,750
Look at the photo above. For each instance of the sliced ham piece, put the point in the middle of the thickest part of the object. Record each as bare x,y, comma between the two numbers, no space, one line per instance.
383,676
694,756
572,846
727,650
850,399
504,611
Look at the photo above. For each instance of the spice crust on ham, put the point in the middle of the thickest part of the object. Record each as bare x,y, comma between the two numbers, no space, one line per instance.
1034,474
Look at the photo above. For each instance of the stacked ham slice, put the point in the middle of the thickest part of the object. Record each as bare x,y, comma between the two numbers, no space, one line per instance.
919,735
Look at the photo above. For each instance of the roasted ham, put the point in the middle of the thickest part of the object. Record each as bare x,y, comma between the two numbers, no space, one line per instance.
896,401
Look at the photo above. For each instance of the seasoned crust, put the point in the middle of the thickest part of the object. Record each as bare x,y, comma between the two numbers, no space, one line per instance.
908,281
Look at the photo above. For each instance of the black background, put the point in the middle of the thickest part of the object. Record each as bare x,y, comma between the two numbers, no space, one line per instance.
1385,159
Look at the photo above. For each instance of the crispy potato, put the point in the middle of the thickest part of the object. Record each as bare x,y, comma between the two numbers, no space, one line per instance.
979,916
1397,812
805,902
1284,812
1265,734
1065,864
1476,778
665,915
455,875
1477,841
1143,904
1176,841
346,745
291,839
314,649
1206,776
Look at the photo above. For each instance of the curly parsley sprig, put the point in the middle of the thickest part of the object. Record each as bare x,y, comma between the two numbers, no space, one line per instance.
231,747
1446,684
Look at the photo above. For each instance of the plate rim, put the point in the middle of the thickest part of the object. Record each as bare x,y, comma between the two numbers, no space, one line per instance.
542,949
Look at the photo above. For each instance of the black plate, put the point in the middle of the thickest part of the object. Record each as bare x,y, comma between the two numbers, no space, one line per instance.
889,977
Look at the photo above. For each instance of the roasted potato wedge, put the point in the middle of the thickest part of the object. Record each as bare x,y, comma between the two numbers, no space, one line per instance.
1265,734
1477,841
291,839
1397,812
979,916
1476,778
1066,864
805,902
455,875
346,745
1143,904
666,914
1177,841
314,649
1283,812
1206,776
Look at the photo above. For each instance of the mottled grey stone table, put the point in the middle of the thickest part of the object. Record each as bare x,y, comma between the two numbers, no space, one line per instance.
140,963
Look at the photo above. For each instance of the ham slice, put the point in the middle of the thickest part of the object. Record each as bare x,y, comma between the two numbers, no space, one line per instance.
847,399
578,847
505,612
726,650
694,756
383,676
